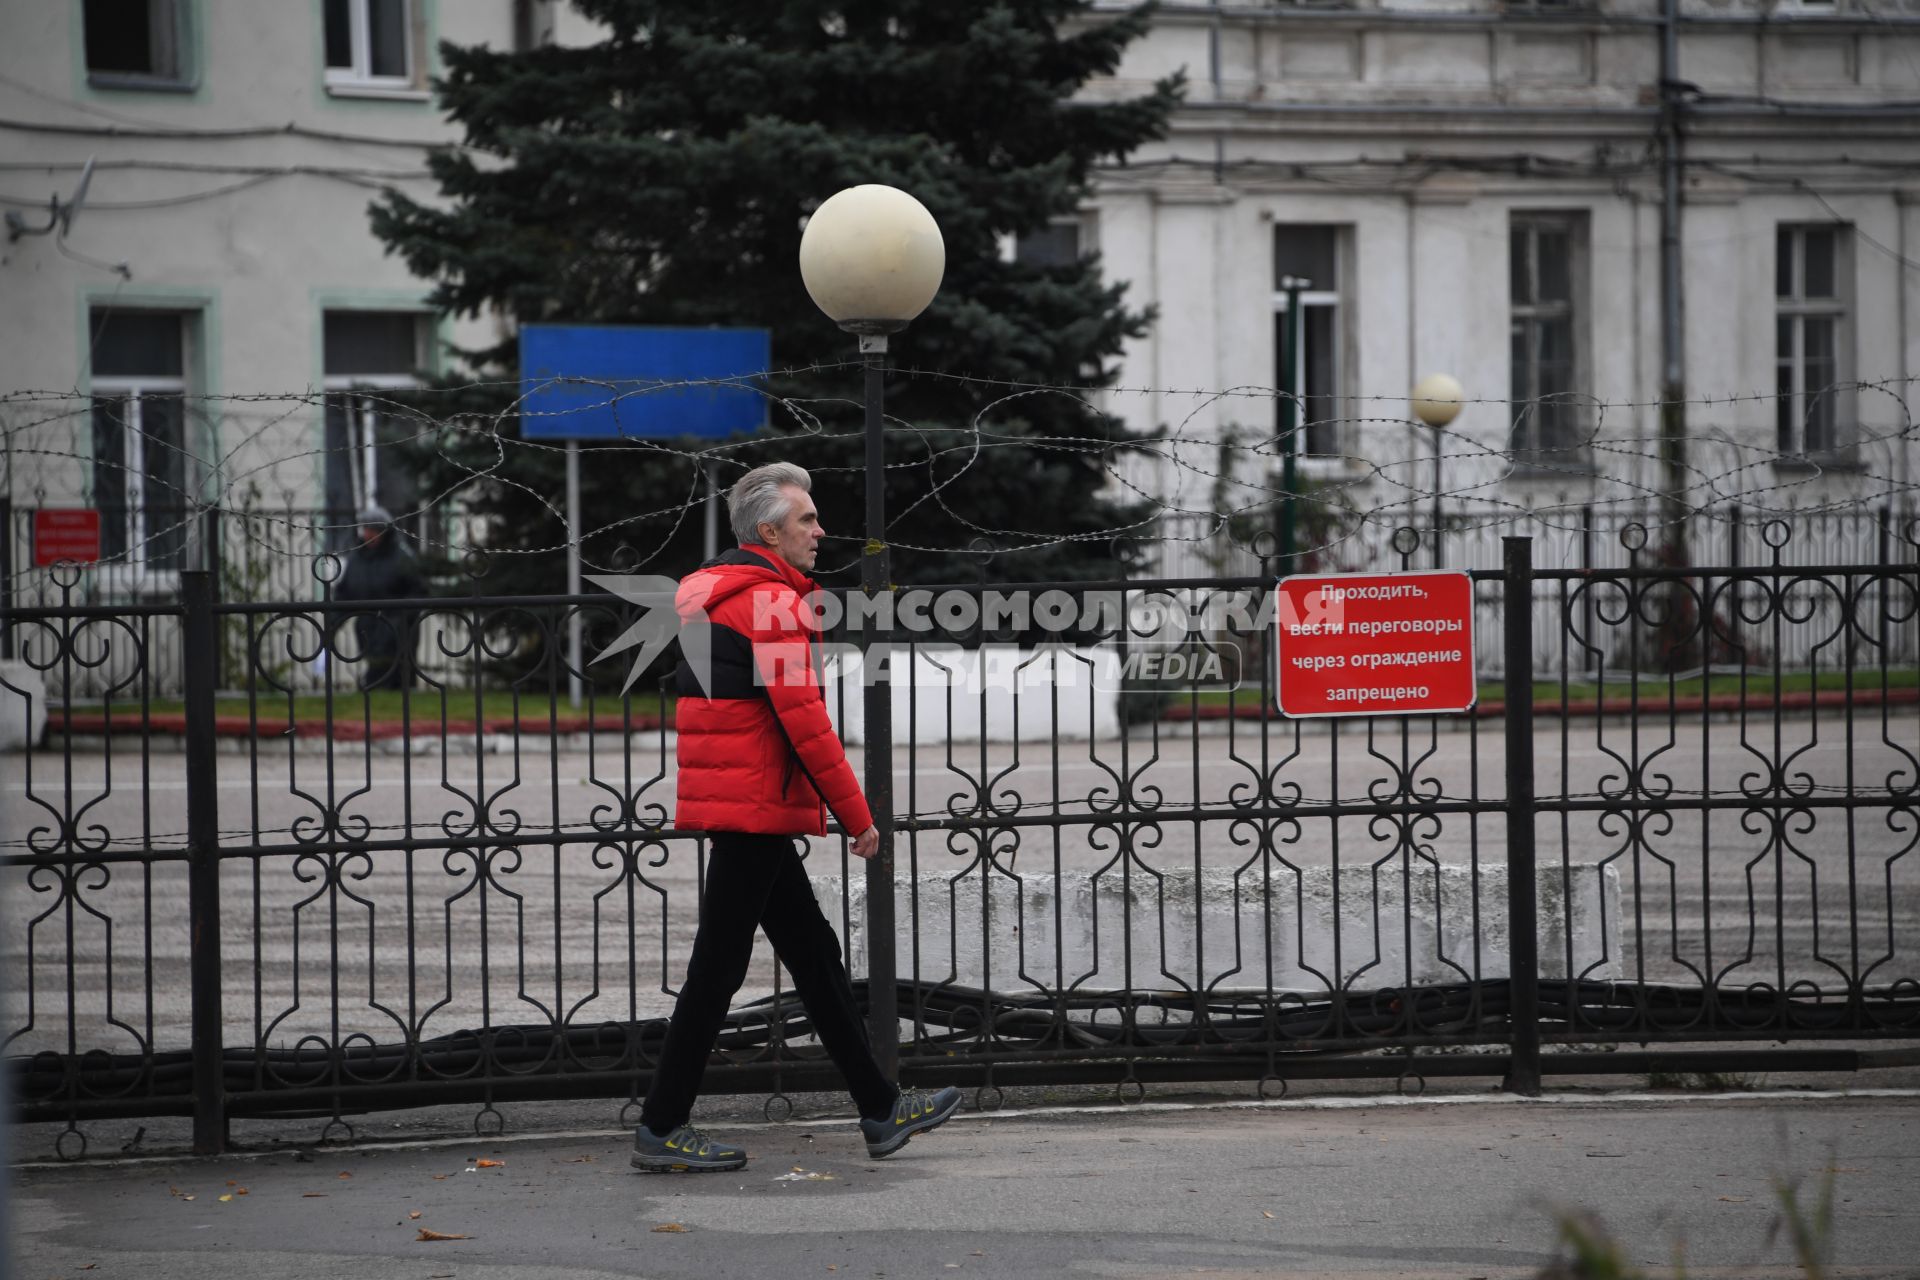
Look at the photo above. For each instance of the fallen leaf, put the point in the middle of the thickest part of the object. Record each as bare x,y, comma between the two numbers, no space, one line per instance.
232,1183
242,1191
90,1266
1735,1199
1265,1213
672,1228
798,1169
978,1253
313,1195
489,1164
414,1216
425,1234
578,1160
186,1197
227,1197
173,1191
345,1174
440,1177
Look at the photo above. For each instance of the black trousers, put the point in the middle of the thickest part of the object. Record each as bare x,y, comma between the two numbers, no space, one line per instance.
759,880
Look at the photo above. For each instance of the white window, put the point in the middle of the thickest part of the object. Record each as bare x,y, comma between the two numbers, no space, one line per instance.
1311,254
140,473
370,44
1547,289
367,353
1810,335
136,44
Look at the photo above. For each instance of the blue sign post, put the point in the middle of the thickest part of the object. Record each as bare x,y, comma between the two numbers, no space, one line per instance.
636,382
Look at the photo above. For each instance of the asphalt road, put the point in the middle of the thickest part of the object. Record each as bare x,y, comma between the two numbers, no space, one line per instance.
1355,1188
488,924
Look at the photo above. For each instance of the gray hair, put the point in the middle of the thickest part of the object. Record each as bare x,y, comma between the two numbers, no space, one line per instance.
755,499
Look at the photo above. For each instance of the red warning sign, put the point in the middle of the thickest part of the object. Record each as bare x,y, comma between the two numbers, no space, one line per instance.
1370,644
66,534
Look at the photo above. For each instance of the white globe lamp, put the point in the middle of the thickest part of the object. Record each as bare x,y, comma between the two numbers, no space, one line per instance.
1438,399
872,259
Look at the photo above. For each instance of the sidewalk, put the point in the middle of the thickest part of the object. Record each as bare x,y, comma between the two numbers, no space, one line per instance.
1457,1186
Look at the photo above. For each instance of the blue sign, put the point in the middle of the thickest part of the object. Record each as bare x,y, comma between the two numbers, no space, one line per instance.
638,382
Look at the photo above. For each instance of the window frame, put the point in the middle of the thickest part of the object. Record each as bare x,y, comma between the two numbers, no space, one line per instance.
1796,308
1330,300
358,78
133,390
363,420
182,78
362,416
1532,457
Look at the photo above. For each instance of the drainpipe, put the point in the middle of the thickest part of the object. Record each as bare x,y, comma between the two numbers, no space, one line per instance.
1673,379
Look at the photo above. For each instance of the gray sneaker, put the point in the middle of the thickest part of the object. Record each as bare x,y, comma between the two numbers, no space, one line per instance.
686,1148
916,1112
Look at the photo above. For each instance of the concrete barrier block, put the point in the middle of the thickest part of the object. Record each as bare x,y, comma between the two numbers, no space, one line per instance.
23,706
998,693
1287,928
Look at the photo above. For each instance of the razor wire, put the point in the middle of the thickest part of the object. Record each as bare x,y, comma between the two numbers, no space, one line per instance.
1198,469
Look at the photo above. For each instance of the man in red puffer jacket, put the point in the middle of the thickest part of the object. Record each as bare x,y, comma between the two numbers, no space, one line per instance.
760,764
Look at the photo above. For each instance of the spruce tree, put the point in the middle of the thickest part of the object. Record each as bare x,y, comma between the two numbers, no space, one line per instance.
663,176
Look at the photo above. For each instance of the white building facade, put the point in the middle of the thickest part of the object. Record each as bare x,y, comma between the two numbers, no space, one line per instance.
1468,187
1475,188
217,310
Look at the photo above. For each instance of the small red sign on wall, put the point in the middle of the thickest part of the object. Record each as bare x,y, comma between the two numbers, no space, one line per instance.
1370,644
71,534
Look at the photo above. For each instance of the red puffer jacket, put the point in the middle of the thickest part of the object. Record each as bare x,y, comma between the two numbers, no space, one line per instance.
757,750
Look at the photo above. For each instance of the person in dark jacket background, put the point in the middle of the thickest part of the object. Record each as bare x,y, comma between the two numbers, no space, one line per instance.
380,569
760,763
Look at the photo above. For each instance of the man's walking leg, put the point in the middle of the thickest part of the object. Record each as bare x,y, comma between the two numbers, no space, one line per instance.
740,874
809,948
807,945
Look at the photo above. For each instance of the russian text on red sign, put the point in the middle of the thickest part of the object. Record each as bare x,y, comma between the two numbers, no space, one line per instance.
1368,644
66,534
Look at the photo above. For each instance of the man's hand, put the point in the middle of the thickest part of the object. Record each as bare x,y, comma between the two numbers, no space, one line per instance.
867,843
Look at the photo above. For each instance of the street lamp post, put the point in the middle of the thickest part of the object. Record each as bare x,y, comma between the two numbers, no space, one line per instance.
1437,401
872,258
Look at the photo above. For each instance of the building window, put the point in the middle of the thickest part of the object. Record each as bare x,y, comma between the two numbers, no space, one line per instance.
1810,324
1311,254
1055,245
370,44
136,43
140,477
1546,288
368,353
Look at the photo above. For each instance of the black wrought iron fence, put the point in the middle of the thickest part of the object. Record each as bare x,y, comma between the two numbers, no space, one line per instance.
1567,537
461,889
253,554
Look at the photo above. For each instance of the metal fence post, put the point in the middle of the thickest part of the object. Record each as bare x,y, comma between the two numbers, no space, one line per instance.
6,576
200,659
1588,640
1523,1007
